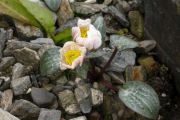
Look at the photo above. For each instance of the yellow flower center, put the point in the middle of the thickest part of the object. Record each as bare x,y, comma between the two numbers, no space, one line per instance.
71,55
84,31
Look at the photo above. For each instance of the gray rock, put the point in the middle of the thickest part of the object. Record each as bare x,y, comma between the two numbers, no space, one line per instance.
6,62
47,114
79,118
27,32
107,2
6,83
86,9
65,12
44,48
96,97
6,99
118,15
14,44
27,57
17,71
137,23
82,94
4,36
42,97
120,61
124,4
7,116
24,110
21,85
53,5
68,102
122,42
62,80
147,45
42,41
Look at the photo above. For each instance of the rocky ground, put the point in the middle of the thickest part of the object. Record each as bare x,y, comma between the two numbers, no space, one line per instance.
26,95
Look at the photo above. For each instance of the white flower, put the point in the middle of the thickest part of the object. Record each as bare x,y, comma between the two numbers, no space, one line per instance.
71,55
87,35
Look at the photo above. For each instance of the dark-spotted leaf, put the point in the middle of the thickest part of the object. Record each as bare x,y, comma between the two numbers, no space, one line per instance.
82,71
141,98
16,10
42,15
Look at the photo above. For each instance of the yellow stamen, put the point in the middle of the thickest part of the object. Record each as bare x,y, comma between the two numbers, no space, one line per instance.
71,55
84,31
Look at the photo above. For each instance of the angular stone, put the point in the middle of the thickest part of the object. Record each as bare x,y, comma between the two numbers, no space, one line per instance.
17,71
4,36
137,23
118,15
96,97
7,116
119,63
27,32
82,94
42,41
62,80
122,42
65,12
6,62
42,97
6,83
86,9
6,99
21,85
107,2
148,45
68,102
124,4
14,44
27,57
137,73
47,114
79,118
24,110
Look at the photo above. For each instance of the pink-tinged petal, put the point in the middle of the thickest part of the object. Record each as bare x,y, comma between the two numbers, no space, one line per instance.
75,32
97,41
86,22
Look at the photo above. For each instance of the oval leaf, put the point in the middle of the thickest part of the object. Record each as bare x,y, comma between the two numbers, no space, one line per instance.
63,36
141,98
50,63
42,15
16,10
53,4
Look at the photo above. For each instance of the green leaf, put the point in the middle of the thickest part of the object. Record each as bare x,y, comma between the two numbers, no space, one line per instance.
17,11
95,54
50,62
141,98
82,71
53,4
42,15
63,36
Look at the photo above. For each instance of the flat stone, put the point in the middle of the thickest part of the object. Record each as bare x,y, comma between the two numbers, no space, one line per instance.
79,118
7,116
25,110
86,9
107,2
14,44
21,85
65,12
68,102
62,80
118,15
6,83
27,32
137,73
82,94
17,71
137,23
42,41
6,62
42,97
147,45
6,99
124,4
122,42
96,97
47,114
119,63
27,57
4,36
44,48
